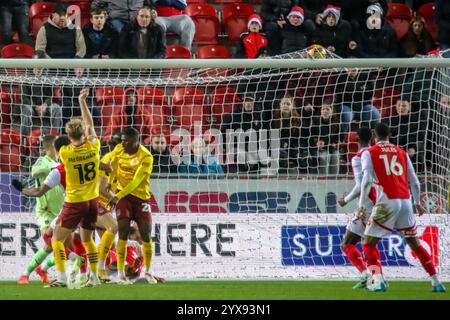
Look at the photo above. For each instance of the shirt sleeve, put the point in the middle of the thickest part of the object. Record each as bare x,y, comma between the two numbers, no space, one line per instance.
367,178
413,182
358,177
39,168
53,179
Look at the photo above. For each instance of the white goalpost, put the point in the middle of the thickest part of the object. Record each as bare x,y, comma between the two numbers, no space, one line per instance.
251,156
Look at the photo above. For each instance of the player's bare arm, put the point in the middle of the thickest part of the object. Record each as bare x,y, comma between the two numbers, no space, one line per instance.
85,113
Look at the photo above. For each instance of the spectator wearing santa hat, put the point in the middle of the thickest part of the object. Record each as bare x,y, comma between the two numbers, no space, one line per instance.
253,39
297,33
333,32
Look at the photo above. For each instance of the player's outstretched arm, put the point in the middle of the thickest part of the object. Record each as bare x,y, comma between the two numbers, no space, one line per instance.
30,192
85,113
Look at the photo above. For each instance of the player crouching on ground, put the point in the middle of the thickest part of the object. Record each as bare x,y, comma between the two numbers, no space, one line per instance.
132,165
390,168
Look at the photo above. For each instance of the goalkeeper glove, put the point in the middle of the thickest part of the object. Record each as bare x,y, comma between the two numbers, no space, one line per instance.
18,185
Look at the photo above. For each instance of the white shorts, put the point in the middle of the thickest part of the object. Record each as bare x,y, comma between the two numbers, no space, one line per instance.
357,225
389,215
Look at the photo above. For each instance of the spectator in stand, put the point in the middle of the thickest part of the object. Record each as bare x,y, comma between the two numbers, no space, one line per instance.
14,12
418,40
142,38
323,157
333,33
443,22
171,18
37,110
245,118
252,40
59,38
101,38
274,13
408,127
199,161
287,119
162,160
314,9
416,158
356,90
130,115
354,11
296,33
377,39
120,12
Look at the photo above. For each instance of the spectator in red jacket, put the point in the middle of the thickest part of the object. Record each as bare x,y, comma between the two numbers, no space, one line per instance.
130,115
253,39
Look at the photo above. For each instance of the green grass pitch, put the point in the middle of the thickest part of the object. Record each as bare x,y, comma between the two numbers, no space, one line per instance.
220,290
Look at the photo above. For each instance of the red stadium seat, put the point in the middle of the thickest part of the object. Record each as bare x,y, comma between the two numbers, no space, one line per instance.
189,107
223,101
207,27
10,150
17,50
234,19
178,52
428,11
196,1
385,100
5,106
213,52
221,1
108,98
39,13
156,104
399,15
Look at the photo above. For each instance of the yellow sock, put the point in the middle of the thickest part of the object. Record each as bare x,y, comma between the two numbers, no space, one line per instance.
92,254
148,253
104,247
59,253
121,256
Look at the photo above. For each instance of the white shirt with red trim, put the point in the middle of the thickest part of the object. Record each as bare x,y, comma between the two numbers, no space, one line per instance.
56,177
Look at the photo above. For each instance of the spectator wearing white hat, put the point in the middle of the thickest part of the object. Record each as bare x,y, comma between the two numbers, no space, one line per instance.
253,39
333,33
296,34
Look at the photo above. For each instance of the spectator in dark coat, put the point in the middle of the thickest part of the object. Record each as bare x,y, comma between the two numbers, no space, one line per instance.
333,33
274,13
418,40
100,37
323,141
377,39
296,33
142,38
314,9
287,119
443,22
162,161
14,12
252,40
354,11
355,91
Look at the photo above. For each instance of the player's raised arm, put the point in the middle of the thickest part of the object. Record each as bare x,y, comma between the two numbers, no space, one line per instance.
85,113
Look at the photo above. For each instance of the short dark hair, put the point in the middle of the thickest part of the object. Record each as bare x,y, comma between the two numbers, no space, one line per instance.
98,10
61,141
115,139
382,130
364,134
48,140
130,132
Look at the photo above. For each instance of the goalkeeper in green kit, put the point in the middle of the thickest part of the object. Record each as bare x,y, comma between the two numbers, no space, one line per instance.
47,207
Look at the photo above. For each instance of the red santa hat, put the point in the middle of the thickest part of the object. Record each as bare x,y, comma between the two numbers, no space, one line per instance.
254,18
298,12
336,11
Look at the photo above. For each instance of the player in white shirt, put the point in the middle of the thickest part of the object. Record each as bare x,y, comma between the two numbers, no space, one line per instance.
390,169
357,225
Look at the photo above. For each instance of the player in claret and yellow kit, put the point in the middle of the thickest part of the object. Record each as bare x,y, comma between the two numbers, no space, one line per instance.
133,164
81,161
105,218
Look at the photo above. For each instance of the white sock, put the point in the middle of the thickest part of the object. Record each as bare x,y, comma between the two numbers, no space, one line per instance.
365,273
62,276
73,256
121,275
434,280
